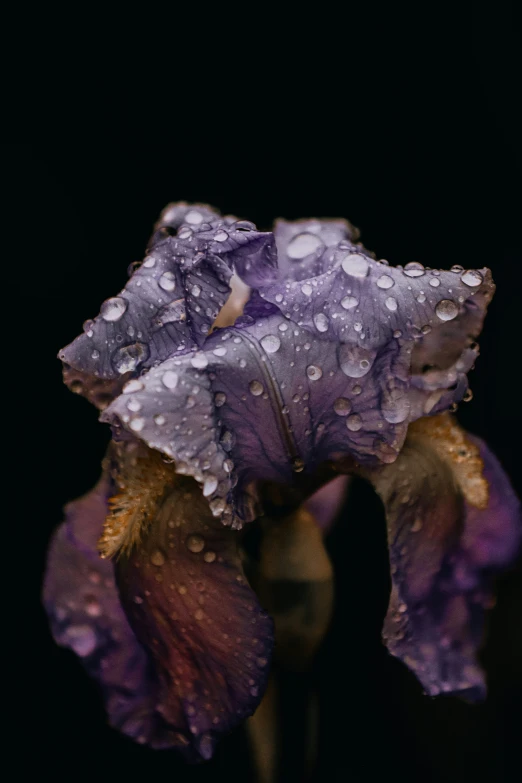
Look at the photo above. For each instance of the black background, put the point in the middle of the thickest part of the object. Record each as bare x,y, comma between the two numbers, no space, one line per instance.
405,125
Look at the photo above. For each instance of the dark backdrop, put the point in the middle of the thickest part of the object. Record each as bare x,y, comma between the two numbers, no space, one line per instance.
405,126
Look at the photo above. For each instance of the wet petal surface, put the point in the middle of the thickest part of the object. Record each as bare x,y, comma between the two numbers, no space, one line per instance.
453,520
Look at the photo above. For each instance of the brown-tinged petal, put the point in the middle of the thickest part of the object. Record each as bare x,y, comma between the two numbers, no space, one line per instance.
453,520
187,599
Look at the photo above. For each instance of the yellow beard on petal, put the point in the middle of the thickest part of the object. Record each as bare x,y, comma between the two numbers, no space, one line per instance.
142,479
449,441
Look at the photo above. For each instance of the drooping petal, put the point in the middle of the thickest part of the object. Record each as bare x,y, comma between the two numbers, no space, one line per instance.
82,602
188,602
453,520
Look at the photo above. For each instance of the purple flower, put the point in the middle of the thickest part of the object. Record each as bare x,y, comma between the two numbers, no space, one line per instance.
338,364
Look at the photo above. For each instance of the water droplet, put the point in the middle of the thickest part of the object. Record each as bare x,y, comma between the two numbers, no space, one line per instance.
302,245
185,233
193,217
220,399
133,386
271,343
195,543
221,236
92,607
134,405
137,424
195,290
279,298
157,558
88,328
421,298
354,361
467,396
220,351
210,485
167,281
228,466
298,465
434,282
354,422
356,390
385,281
209,557
391,303
321,322
348,302
256,388
82,639
159,419
314,372
446,310
355,265
170,379
128,357
283,327
199,361
397,333
307,289
149,262
414,269
358,326
395,406
113,309
417,525
217,506
342,406
472,278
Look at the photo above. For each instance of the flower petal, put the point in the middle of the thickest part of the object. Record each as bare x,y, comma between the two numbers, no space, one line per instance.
174,215
316,403
432,317
169,304
188,602
452,521
82,602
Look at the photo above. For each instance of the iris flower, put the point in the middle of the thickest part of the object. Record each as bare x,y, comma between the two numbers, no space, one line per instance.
336,364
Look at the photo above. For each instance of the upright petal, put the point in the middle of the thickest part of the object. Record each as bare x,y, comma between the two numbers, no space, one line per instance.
453,520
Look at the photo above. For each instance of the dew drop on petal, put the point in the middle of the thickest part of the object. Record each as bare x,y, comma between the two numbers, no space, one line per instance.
82,639
195,290
157,558
256,388
159,419
355,265
195,543
167,281
471,278
446,310
220,399
221,236
348,302
307,289
137,424
354,422
199,361
354,361
170,379
113,309
128,357
414,269
302,245
193,217
209,485
421,298
321,322
314,372
342,406
434,282
220,351
209,557
271,343
391,303
385,281
149,262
